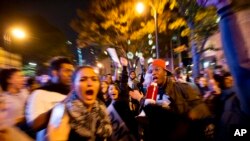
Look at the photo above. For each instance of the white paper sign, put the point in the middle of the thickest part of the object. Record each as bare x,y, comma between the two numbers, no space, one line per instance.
113,55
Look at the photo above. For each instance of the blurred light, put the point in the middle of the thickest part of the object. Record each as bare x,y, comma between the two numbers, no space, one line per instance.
174,38
44,78
212,63
105,52
69,43
99,65
129,42
140,55
218,20
167,63
149,36
154,55
134,65
32,64
119,71
153,47
150,42
150,60
79,57
206,64
130,55
18,33
139,7
96,70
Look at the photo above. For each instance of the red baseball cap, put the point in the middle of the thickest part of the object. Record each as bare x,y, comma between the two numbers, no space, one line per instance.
161,63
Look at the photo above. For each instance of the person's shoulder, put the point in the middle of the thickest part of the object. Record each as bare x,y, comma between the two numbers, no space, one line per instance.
49,86
45,94
185,84
188,89
181,84
39,92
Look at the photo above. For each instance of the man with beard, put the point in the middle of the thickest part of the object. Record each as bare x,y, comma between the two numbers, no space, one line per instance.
44,98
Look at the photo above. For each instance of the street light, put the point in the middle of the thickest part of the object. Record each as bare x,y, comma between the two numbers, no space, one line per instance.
17,33
140,9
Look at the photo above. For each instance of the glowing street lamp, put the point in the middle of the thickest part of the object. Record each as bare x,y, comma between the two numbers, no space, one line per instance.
18,33
140,9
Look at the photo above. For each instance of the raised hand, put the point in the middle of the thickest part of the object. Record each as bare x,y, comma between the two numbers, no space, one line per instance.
141,61
124,61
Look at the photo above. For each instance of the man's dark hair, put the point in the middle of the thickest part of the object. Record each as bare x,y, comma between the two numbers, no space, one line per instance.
5,74
56,62
227,74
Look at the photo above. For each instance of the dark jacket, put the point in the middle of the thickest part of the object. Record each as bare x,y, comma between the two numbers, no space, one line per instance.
56,87
175,124
161,124
184,99
231,117
122,105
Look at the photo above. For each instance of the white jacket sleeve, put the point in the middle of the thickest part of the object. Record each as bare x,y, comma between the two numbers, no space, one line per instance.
41,101
35,105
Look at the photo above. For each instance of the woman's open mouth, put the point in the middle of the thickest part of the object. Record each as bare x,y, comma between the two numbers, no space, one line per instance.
89,94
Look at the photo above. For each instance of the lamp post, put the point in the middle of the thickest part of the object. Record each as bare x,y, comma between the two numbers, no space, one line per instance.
140,9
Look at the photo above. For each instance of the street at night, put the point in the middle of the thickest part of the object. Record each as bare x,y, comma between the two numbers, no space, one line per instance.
124,70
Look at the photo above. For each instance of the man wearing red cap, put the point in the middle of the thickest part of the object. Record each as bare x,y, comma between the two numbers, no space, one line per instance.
184,98
166,122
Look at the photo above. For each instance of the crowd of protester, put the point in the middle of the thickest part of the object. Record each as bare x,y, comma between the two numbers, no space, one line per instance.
79,104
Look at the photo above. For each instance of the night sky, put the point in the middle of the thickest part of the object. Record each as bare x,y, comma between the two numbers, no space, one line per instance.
58,13
46,20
